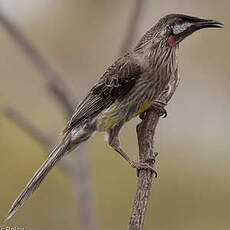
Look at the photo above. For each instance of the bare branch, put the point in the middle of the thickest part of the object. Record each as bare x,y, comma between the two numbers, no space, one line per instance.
145,133
27,125
131,30
55,79
65,96
85,198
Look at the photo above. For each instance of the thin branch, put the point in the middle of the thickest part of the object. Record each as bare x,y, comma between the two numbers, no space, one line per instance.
28,126
55,79
85,199
131,30
65,96
145,133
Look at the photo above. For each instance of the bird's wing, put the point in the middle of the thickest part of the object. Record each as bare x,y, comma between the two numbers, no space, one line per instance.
116,82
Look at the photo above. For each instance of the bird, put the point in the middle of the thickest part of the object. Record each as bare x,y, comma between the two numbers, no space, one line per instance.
127,89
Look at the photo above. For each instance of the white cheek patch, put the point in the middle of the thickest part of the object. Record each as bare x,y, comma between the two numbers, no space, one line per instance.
177,29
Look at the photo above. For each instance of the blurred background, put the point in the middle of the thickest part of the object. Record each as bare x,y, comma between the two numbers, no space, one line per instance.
81,38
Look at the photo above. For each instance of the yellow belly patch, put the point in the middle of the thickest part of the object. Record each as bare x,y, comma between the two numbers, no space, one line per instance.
116,114
144,108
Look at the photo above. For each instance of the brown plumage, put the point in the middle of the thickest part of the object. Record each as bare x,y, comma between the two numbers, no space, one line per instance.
115,82
128,88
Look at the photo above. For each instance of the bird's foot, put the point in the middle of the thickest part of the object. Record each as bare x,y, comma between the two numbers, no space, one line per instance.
144,165
158,107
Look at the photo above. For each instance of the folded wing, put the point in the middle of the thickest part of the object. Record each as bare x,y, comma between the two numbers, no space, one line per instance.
115,83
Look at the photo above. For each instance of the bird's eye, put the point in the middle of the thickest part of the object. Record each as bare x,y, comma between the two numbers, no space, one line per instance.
179,21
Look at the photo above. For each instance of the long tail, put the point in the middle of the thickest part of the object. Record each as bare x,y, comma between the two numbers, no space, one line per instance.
66,145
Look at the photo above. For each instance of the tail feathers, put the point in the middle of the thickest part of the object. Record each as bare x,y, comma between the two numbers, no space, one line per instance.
38,177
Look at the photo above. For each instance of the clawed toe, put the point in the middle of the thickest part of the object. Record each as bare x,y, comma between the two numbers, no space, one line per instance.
160,110
144,165
163,113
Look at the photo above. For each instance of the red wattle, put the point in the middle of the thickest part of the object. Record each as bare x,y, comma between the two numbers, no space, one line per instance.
171,40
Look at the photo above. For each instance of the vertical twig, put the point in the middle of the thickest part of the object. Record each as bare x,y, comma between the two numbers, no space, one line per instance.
145,133
131,30
85,198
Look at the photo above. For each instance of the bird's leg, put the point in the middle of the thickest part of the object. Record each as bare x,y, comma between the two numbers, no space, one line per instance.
157,106
115,144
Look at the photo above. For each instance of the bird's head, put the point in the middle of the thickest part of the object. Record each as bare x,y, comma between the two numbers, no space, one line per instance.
174,28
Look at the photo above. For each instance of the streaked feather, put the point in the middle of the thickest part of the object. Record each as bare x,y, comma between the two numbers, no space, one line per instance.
115,83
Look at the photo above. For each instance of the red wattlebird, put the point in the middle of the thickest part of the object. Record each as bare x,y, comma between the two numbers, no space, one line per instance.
128,88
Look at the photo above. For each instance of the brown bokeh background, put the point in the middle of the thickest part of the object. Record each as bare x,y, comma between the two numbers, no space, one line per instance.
81,38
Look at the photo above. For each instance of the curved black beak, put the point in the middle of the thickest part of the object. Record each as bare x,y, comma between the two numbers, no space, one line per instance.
197,24
206,24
